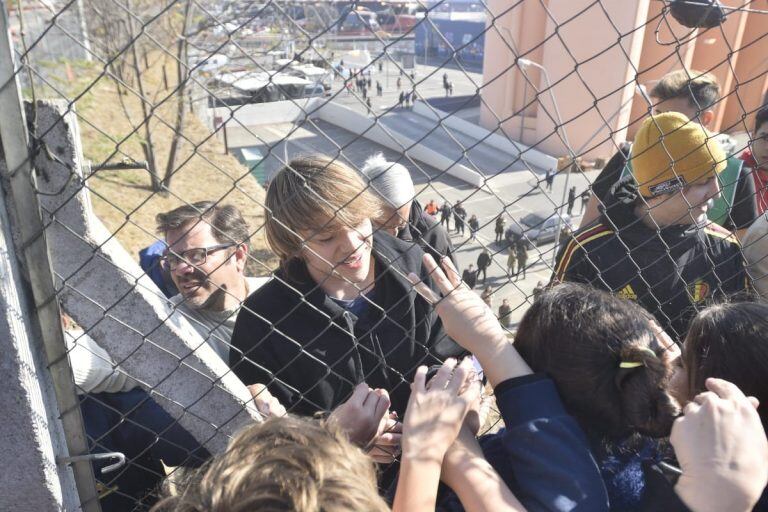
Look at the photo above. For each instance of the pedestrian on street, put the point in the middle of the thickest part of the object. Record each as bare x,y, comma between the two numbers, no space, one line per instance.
474,226
505,312
483,262
522,258
459,214
381,66
368,104
487,296
512,260
450,88
401,99
379,88
469,276
550,178
499,229
584,200
445,216
399,83
431,208
571,200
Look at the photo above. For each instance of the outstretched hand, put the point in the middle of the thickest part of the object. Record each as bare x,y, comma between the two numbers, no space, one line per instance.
362,416
722,450
470,322
436,409
466,318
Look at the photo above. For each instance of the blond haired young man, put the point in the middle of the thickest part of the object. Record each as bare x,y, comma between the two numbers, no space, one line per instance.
339,310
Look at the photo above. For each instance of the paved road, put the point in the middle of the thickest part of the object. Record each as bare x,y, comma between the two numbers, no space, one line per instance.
427,82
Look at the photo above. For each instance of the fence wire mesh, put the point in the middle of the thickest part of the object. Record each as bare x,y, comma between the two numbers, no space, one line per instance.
502,128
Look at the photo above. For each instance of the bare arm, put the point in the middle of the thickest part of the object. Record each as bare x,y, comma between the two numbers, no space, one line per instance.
473,479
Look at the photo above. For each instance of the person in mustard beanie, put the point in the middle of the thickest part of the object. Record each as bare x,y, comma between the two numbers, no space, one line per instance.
696,95
653,243
671,151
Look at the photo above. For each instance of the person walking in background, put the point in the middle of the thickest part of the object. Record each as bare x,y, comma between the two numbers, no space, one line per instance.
550,179
431,208
399,83
512,260
474,226
499,229
445,215
401,99
505,312
369,105
469,276
584,200
487,296
571,199
483,262
522,257
459,214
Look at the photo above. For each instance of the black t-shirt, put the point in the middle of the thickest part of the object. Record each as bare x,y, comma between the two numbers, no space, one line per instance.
743,211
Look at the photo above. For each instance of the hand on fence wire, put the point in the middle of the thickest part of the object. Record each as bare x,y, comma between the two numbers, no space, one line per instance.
722,450
466,318
470,322
437,409
366,420
265,402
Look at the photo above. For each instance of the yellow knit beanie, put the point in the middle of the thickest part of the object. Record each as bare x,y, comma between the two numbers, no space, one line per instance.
670,151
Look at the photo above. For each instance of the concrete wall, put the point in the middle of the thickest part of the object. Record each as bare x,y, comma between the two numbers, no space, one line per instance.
367,127
31,436
107,293
532,156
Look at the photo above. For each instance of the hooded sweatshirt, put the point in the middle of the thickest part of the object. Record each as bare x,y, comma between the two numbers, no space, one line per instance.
671,272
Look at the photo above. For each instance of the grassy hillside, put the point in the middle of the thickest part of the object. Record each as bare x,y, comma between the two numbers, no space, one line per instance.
124,199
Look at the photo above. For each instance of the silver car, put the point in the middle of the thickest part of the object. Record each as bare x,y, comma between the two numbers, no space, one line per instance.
538,228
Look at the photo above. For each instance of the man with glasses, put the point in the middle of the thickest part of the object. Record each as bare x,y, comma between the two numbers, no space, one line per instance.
206,253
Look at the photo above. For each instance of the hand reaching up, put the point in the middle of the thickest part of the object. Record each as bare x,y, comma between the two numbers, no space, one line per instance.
436,410
466,318
470,322
722,450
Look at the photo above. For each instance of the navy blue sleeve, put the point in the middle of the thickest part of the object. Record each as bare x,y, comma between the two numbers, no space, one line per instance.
547,450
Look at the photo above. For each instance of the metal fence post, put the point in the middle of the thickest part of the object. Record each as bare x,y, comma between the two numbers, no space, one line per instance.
33,251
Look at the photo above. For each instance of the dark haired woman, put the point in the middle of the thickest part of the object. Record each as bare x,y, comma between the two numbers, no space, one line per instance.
730,342
612,366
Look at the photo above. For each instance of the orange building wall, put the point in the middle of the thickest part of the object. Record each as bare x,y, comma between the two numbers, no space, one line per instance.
600,106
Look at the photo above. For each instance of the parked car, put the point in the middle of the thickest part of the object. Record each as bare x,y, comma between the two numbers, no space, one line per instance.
538,228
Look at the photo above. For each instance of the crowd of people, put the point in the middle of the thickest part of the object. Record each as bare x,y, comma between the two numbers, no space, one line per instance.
634,382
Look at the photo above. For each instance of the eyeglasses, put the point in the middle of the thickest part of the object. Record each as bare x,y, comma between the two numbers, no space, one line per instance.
196,256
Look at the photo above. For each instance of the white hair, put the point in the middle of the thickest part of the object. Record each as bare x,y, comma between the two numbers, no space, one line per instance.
388,180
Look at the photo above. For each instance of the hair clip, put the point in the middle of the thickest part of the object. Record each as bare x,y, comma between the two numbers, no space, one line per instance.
630,364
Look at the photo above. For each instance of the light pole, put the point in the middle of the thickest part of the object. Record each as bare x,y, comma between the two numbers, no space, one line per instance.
525,63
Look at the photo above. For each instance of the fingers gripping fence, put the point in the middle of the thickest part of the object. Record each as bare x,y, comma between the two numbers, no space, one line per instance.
503,128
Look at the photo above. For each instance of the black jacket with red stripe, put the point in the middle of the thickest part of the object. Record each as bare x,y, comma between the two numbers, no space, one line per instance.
671,272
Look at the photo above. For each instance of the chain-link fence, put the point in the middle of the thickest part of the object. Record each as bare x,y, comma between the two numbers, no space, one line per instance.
138,174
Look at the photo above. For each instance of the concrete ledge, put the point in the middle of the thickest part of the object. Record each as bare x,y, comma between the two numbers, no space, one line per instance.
106,292
367,127
532,156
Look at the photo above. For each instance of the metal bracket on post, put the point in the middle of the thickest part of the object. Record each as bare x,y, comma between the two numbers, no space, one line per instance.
35,254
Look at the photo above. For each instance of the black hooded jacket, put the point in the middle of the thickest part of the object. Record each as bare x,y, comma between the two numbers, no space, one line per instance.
428,233
671,272
310,352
